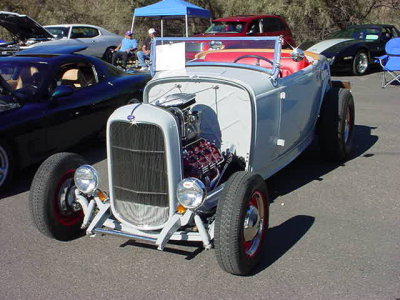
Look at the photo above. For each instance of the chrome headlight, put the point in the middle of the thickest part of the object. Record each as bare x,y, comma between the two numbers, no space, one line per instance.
191,192
86,179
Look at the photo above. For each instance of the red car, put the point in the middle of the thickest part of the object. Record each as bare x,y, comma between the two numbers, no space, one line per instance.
251,25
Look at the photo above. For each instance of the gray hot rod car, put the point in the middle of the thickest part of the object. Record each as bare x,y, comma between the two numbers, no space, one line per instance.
190,162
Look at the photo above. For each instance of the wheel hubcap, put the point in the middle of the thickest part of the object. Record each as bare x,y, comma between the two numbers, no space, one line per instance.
253,224
67,212
362,63
4,165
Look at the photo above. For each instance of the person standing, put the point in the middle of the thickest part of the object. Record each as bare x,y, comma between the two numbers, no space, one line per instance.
146,49
127,45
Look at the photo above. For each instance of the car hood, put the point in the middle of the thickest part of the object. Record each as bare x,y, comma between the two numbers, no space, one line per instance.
324,45
22,26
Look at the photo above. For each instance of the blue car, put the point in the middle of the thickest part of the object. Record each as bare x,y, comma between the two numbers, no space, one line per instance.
50,102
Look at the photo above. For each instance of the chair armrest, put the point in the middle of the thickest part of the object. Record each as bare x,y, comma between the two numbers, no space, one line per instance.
381,58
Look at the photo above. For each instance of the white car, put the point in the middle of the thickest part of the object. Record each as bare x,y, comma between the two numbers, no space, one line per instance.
189,163
27,33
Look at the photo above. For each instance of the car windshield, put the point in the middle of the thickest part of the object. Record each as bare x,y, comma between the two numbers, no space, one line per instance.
225,27
58,32
23,75
357,33
260,53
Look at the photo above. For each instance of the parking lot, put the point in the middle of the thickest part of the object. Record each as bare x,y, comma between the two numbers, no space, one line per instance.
334,232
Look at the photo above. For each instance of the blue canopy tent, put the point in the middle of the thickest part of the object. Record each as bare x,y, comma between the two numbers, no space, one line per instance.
171,9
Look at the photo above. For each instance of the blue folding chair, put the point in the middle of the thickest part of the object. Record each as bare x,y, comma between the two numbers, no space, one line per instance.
391,62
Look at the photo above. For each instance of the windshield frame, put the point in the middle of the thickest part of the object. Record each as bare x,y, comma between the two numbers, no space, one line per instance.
274,71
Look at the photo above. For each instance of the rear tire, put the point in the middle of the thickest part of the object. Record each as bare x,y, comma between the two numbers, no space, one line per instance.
241,223
51,197
336,131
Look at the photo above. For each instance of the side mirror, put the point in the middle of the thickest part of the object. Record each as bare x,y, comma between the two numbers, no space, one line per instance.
297,54
62,91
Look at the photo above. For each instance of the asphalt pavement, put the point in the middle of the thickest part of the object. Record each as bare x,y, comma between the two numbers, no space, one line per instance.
334,232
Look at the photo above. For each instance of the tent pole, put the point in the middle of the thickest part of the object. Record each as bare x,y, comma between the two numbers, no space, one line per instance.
133,22
186,22
162,27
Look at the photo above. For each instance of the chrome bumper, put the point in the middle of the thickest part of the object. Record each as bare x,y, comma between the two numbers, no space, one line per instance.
102,222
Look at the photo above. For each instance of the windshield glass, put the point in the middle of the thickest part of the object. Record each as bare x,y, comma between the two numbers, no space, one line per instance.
261,53
357,34
225,27
23,75
58,32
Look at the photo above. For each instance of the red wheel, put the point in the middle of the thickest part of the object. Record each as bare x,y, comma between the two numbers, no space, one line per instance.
66,211
254,223
52,197
241,223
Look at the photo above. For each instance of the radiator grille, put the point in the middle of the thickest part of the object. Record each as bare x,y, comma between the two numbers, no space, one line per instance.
139,173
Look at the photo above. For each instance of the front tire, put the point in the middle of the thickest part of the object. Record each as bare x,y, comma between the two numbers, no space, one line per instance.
241,223
6,165
360,63
51,197
336,131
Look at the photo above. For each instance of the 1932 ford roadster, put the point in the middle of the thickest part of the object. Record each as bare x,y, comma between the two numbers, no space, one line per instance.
189,163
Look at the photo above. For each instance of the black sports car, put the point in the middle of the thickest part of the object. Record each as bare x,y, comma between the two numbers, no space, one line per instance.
354,48
49,102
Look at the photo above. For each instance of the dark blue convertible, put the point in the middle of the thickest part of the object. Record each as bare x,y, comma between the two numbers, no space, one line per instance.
49,102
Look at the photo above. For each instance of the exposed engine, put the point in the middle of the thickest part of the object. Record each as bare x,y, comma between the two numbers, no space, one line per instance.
201,158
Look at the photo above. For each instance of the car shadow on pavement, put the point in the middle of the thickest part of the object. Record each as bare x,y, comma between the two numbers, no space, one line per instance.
307,167
281,238
23,178
175,247
310,165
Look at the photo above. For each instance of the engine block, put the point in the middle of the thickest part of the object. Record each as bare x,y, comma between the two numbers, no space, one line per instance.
201,159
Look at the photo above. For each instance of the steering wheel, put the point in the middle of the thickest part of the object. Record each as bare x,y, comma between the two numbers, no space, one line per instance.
254,56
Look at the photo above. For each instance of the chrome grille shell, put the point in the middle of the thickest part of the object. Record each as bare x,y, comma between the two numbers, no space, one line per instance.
143,165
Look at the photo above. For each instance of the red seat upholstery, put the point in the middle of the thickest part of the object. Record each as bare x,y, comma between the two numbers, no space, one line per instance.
288,66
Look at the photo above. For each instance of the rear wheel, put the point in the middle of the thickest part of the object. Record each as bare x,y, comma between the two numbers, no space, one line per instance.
337,124
241,223
360,63
52,197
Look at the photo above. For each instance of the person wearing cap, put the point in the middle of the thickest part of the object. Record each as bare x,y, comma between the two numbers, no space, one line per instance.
128,44
146,48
